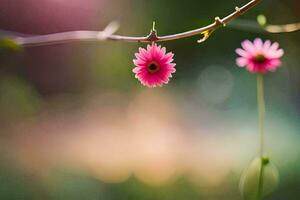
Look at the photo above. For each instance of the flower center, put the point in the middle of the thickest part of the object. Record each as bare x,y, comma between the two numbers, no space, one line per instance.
153,67
260,58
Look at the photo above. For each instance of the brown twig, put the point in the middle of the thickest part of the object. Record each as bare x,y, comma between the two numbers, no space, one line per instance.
286,28
108,33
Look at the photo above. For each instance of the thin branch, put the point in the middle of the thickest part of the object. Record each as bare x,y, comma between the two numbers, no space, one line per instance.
253,26
64,37
286,28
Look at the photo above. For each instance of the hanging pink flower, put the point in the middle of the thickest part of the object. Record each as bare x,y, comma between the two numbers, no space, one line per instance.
259,56
154,66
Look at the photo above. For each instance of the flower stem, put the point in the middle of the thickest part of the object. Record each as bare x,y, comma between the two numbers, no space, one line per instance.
153,26
262,113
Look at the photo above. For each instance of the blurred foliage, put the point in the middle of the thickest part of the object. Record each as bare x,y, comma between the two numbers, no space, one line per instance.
261,20
17,98
7,44
251,177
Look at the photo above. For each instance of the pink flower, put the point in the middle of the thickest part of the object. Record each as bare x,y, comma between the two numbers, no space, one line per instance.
154,66
259,56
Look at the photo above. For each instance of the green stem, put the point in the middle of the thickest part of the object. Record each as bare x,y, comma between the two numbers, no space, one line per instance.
153,26
262,113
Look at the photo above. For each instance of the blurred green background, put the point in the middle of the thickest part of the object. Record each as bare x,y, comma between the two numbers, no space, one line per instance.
76,124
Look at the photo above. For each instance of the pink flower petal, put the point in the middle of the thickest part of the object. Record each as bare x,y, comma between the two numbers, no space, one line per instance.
273,65
259,56
242,53
156,55
163,51
258,44
274,47
140,57
276,54
242,62
266,46
143,53
249,47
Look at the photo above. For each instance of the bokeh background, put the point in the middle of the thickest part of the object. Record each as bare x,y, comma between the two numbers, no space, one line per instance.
76,124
